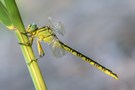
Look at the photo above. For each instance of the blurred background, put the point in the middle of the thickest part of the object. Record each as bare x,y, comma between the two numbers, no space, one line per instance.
103,30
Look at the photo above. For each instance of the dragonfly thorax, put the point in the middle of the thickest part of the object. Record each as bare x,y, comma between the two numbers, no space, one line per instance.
45,34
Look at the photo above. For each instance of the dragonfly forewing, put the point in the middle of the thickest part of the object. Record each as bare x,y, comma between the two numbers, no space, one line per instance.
58,28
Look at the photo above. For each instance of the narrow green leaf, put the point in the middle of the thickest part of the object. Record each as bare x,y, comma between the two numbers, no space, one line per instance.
14,14
4,17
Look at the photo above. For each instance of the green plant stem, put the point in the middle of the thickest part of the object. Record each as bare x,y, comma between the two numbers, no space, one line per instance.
26,50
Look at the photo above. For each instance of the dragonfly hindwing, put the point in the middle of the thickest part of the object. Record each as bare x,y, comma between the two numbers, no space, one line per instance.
57,49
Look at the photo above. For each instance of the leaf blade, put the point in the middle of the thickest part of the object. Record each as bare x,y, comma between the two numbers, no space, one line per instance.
4,17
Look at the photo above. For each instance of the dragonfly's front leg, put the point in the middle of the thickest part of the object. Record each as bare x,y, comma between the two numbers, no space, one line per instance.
29,42
26,33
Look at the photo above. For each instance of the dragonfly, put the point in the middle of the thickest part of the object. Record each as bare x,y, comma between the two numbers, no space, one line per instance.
48,34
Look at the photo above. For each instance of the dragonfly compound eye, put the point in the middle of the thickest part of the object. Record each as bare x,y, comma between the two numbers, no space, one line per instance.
32,27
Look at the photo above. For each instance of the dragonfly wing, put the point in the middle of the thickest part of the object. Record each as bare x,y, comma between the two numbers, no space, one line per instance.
49,22
57,49
58,28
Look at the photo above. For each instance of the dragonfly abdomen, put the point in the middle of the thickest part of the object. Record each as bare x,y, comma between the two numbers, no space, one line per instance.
87,59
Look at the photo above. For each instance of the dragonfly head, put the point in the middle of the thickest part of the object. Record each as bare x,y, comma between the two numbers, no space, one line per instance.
32,27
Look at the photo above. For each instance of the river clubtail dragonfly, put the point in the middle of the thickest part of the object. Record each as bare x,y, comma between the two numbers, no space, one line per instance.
48,33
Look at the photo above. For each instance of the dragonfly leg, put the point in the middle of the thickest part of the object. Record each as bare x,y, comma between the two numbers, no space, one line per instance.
28,43
24,33
35,60
31,61
40,50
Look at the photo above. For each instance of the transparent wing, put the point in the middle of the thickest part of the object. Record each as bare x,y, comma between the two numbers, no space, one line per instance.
57,49
49,22
57,28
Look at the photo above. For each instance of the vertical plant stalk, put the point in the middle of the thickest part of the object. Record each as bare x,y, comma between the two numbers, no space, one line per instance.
26,50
